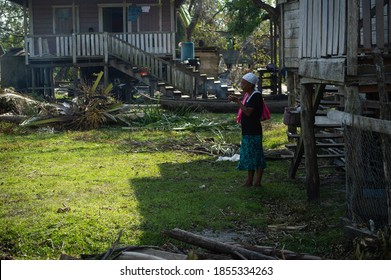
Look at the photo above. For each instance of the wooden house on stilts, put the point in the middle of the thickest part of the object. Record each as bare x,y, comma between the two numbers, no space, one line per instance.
136,38
341,48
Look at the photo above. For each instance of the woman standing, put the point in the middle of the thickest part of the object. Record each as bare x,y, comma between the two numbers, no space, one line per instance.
252,157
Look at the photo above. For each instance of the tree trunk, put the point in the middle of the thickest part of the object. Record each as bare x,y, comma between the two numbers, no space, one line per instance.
274,13
194,19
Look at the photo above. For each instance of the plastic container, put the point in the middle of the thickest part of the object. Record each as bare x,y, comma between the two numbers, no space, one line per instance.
187,51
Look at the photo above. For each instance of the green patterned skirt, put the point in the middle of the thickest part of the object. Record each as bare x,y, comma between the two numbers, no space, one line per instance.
251,153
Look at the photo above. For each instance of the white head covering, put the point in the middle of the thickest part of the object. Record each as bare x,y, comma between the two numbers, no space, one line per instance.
251,78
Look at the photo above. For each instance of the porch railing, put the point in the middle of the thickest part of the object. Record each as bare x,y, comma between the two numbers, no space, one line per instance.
138,50
85,45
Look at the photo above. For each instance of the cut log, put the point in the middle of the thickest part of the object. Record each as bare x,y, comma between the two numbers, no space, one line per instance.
215,246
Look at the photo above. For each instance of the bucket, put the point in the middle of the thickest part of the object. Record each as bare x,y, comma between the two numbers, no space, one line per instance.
187,51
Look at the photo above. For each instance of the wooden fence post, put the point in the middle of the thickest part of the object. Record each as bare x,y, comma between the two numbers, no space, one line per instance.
307,116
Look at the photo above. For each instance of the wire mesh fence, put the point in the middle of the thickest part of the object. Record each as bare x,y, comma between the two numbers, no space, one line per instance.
368,177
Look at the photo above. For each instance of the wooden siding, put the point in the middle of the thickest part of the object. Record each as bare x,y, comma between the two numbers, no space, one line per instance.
89,14
291,34
42,17
166,17
88,17
323,28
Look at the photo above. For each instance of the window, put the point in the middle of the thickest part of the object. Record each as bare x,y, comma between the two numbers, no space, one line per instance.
63,20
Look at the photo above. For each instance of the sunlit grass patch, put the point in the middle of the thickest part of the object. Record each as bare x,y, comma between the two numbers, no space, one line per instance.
73,191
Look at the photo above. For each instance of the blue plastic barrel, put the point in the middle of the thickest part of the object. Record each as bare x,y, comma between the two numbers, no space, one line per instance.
187,51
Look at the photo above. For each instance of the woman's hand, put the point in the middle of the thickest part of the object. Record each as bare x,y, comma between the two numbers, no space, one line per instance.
233,98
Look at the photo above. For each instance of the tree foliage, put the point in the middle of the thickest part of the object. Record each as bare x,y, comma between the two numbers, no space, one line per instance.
244,17
249,29
206,22
11,25
233,24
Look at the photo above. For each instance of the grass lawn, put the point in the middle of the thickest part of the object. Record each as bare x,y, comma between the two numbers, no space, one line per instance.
72,192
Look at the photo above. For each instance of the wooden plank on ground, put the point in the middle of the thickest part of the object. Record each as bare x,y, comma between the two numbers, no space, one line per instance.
214,245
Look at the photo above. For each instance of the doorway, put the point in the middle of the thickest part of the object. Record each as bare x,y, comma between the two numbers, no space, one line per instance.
113,19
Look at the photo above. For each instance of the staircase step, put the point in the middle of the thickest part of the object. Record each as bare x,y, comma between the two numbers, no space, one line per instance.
177,94
317,135
319,145
330,102
318,156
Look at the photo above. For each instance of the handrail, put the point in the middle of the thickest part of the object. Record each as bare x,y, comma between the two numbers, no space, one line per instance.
136,49
170,73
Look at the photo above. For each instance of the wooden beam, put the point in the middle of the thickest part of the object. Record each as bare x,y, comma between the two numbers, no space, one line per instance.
385,114
299,152
330,27
335,32
366,11
331,69
380,23
342,29
307,119
364,123
352,37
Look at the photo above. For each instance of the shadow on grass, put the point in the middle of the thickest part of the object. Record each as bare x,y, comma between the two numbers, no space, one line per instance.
194,196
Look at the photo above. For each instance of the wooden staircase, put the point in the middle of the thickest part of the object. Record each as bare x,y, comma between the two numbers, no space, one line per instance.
174,79
328,135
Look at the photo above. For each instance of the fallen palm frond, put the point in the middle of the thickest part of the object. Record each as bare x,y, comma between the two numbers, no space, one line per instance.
93,108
